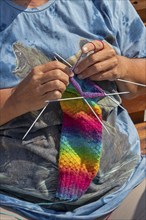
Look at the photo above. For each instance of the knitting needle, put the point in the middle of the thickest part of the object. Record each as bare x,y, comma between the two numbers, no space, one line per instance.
34,122
62,59
116,102
65,99
116,93
74,66
81,97
96,115
127,81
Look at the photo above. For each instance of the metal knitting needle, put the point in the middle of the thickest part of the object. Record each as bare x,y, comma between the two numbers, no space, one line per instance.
116,93
116,102
62,59
81,97
127,81
96,115
34,121
65,99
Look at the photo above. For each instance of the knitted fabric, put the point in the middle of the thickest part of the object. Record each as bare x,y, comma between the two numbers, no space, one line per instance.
80,146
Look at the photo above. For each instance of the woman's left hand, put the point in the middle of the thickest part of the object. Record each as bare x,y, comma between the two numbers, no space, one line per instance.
103,64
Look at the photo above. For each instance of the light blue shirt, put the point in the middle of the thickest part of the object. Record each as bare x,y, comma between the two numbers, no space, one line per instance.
29,37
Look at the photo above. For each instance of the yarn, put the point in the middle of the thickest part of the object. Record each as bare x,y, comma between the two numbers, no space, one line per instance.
80,144
97,93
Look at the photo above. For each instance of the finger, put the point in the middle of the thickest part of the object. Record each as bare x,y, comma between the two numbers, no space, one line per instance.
110,75
54,65
53,85
98,68
94,58
53,95
95,45
54,75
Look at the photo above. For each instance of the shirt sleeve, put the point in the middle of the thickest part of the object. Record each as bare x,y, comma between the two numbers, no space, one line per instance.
128,28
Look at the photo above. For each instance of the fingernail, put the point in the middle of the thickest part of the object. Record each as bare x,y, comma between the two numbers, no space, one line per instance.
85,49
71,74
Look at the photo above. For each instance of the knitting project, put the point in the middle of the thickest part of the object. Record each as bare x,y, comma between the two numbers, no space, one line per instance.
80,143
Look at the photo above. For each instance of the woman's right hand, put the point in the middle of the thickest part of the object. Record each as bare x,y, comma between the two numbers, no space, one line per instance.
44,82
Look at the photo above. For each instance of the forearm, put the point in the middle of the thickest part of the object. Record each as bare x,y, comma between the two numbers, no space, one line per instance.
134,70
9,107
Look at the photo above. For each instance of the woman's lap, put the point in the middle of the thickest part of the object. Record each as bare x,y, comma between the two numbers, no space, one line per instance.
132,208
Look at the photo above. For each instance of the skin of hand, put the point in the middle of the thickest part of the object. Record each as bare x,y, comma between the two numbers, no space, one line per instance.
102,64
44,82
106,64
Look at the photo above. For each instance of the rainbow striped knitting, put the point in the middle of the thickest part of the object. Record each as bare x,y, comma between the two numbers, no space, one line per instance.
80,146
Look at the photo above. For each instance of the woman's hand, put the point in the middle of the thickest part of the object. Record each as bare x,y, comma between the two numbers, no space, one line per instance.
44,82
103,64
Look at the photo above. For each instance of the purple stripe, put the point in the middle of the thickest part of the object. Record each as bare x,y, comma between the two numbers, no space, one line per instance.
87,94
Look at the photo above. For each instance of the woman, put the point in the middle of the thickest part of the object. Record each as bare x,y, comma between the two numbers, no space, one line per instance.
51,165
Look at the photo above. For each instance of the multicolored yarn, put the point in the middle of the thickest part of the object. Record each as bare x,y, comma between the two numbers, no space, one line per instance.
80,144
97,91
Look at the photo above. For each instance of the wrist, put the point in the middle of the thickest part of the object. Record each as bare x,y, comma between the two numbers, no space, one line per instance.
124,63
17,102
10,107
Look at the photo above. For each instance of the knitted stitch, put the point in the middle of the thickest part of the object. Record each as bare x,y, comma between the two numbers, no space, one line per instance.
80,146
